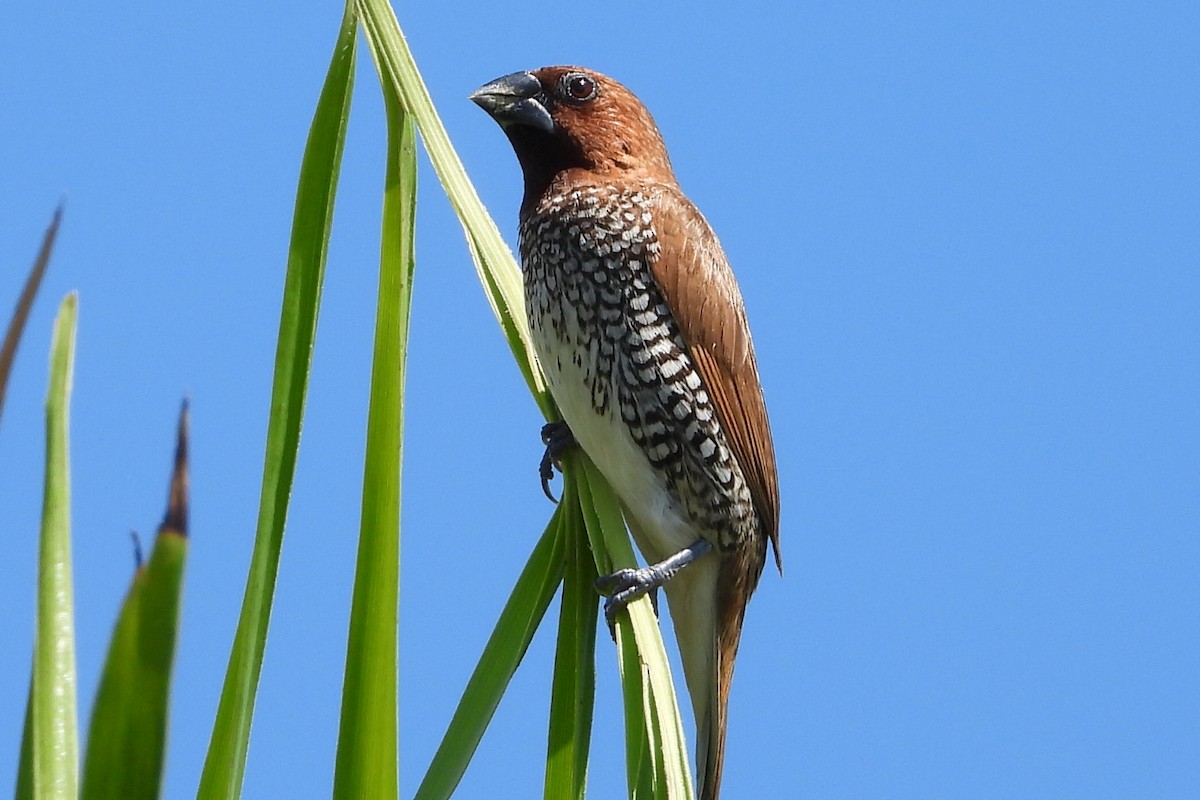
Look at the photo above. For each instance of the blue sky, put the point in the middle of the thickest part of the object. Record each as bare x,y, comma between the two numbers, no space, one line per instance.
967,238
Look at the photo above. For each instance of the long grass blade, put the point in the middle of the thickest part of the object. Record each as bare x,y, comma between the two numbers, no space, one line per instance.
640,757
225,764
368,739
573,690
493,260
128,731
25,763
638,631
16,326
503,653
502,283
54,731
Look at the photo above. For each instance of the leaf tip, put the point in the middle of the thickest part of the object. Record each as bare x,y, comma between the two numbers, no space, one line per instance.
176,518
138,558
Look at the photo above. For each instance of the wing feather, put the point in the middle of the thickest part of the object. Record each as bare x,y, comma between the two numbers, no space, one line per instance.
694,276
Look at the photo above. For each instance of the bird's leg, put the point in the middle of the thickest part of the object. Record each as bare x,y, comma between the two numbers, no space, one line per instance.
558,439
625,585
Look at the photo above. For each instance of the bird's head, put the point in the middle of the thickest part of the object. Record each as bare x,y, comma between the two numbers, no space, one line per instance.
570,118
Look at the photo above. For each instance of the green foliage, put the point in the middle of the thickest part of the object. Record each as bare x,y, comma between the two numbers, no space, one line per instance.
494,263
368,743
503,653
585,537
225,764
128,728
8,351
54,740
656,733
129,719
572,693
16,326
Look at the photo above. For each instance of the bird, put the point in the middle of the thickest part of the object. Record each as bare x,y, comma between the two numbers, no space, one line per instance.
640,329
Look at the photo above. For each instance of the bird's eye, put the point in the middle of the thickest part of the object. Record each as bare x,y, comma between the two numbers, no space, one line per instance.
578,87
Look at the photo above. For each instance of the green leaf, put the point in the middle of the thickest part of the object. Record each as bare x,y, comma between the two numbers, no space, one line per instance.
225,763
639,639
129,719
16,326
493,261
368,741
25,764
54,736
646,678
504,650
574,684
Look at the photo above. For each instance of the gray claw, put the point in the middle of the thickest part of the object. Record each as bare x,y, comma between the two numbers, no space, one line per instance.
626,585
558,439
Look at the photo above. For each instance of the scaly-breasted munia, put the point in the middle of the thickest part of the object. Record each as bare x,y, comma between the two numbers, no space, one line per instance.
639,326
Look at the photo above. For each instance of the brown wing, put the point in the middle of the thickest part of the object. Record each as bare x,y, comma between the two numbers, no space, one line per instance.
698,285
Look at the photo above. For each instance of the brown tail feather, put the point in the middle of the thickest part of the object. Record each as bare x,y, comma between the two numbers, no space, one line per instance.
739,574
708,602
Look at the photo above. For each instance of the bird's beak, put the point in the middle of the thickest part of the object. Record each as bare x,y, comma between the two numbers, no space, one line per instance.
515,99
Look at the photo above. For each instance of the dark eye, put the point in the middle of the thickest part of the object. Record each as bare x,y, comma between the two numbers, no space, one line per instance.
578,87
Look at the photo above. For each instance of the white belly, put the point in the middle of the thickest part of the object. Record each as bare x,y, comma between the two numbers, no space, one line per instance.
658,525
655,521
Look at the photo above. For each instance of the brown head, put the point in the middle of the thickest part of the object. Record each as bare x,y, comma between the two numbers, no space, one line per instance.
571,118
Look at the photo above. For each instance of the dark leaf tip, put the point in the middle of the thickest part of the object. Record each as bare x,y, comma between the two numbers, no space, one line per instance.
138,558
177,500
16,326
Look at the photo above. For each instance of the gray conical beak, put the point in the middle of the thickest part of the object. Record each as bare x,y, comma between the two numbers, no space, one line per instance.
515,99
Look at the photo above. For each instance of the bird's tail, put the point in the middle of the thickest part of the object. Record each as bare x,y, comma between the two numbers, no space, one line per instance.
708,602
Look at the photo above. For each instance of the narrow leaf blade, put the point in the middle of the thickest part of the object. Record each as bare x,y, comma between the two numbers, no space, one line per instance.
367,752
493,260
573,690
637,631
55,738
503,653
128,731
16,326
502,284
225,763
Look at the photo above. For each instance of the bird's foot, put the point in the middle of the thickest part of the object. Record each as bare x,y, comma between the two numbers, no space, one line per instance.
558,439
626,585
